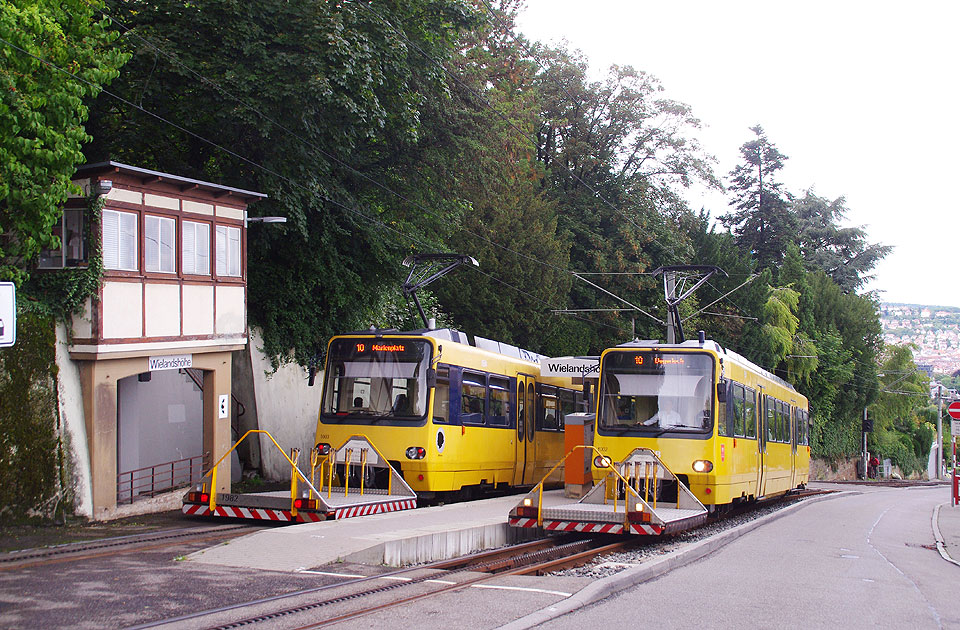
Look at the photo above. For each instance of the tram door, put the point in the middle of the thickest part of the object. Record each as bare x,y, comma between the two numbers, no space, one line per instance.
761,443
526,432
793,445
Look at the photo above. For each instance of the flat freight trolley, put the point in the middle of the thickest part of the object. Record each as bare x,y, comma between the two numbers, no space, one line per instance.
638,495
317,497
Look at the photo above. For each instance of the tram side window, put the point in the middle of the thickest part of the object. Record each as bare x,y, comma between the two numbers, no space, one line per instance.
803,427
784,423
750,412
441,397
473,393
499,402
771,406
738,426
548,408
569,403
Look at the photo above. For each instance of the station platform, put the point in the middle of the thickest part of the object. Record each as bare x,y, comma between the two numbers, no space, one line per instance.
393,539
435,533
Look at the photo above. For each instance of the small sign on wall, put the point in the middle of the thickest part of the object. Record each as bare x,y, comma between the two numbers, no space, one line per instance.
8,314
171,362
224,405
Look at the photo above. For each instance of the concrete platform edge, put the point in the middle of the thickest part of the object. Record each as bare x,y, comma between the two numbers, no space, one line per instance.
433,547
601,589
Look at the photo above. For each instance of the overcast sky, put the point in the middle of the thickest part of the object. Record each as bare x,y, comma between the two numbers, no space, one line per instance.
861,96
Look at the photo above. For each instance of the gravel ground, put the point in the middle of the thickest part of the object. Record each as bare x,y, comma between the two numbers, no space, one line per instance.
613,563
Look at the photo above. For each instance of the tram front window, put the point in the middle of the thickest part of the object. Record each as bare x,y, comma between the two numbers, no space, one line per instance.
653,393
371,380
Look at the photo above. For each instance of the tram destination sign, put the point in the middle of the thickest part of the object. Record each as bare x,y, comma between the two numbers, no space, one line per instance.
586,367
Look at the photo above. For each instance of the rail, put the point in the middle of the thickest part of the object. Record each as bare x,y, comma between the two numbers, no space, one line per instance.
150,481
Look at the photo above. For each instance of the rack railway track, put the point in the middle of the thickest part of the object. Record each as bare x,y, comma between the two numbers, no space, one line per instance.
135,543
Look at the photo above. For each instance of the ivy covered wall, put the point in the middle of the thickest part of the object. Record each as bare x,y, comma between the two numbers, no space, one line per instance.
30,449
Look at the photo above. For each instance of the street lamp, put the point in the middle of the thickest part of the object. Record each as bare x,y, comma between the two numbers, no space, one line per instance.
249,219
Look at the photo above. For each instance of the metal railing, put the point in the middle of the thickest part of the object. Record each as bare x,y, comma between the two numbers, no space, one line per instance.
153,480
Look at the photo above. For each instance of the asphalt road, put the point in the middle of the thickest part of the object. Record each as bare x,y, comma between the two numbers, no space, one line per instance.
857,561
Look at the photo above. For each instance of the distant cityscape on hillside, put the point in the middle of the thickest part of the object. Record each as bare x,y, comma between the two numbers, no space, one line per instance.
934,330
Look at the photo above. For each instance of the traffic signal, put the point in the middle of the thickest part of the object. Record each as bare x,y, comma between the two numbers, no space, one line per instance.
867,423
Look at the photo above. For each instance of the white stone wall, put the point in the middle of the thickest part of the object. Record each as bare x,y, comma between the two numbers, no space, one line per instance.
73,427
286,407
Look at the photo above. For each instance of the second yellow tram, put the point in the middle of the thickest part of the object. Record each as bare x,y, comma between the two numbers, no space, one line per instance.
728,429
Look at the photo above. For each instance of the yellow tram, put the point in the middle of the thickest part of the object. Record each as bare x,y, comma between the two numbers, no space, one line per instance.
728,429
454,417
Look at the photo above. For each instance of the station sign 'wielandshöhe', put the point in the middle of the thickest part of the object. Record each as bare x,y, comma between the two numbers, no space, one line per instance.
587,367
171,362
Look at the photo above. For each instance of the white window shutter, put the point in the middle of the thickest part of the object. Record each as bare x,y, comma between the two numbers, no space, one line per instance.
110,222
189,247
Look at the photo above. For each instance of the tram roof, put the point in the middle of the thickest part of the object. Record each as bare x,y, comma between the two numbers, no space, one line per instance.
716,347
456,336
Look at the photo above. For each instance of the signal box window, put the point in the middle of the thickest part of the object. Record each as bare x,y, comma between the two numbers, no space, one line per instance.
441,396
119,230
72,251
228,251
196,248
159,244
473,393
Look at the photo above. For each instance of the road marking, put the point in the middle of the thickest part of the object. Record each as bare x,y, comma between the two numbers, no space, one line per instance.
521,588
343,575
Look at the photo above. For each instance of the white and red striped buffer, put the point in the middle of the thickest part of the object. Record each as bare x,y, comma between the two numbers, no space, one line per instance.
639,496
353,480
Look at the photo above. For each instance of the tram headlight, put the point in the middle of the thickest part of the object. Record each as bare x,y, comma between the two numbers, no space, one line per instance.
702,466
601,461
416,452
323,448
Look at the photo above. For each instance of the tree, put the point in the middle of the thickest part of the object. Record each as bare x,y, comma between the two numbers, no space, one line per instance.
762,221
842,253
318,104
42,113
615,150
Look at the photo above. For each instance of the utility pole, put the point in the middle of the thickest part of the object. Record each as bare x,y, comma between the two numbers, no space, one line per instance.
939,431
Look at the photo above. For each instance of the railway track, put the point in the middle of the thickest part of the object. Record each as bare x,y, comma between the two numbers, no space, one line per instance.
136,543
356,596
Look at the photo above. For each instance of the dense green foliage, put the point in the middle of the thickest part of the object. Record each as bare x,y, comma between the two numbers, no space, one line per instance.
390,128
904,421
42,111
